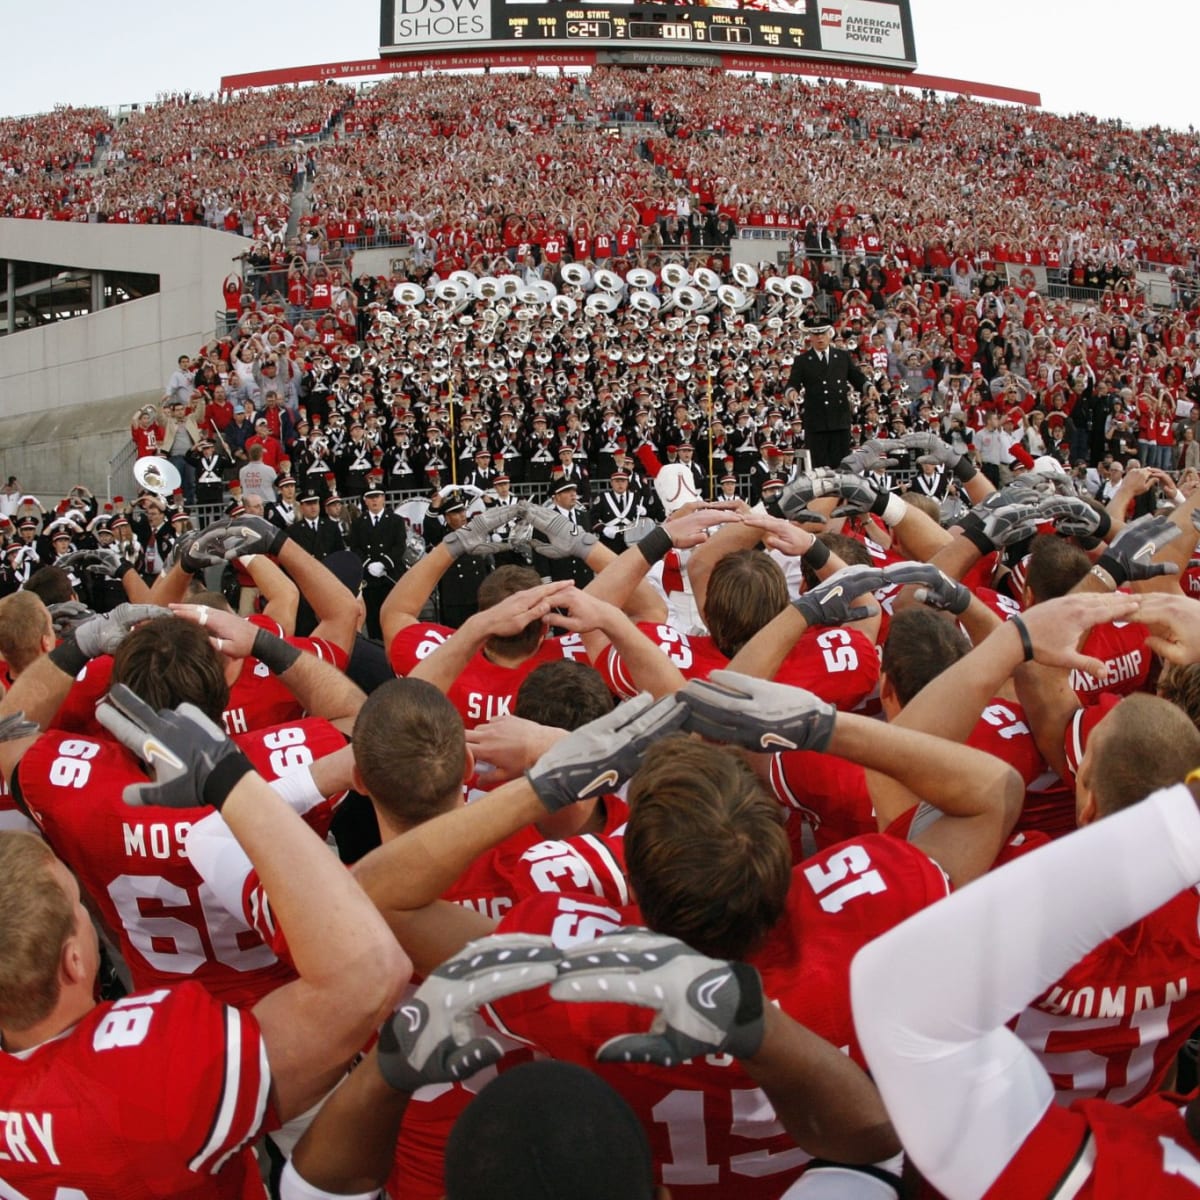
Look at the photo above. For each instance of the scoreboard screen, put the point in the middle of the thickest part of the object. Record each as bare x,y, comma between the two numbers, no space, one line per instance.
871,32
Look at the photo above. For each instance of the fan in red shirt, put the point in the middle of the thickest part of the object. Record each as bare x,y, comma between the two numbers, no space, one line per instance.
147,431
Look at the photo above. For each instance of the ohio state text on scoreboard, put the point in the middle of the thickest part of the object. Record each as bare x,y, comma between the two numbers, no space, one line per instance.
875,32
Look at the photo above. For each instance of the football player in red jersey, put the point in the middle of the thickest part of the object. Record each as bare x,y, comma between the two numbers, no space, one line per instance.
934,1029
163,1090
477,668
134,864
257,699
556,1137
411,759
709,863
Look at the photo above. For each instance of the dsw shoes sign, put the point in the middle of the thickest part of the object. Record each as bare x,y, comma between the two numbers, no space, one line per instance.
440,21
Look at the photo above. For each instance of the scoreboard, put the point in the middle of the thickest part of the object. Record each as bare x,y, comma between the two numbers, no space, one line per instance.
871,32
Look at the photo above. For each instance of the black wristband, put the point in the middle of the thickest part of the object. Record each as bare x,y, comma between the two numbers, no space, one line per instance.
224,777
964,470
277,542
750,1002
273,652
979,539
1105,526
817,555
1026,643
68,657
881,502
655,546
1115,567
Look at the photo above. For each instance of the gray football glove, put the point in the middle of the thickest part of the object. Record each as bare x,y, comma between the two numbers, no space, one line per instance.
1003,524
437,1035
192,760
1129,555
793,501
103,634
14,727
598,757
757,714
831,601
872,455
1075,517
934,587
860,495
191,554
556,537
931,448
231,537
67,614
475,537
702,1005
95,561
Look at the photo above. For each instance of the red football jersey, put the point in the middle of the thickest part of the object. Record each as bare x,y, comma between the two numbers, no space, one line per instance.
1121,644
1101,1151
132,860
591,865
484,690
1111,1026
840,899
155,1095
839,665
257,698
830,794
712,1133
527,864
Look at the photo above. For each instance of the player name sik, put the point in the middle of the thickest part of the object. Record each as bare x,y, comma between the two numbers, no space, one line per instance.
16,1138
1113,1003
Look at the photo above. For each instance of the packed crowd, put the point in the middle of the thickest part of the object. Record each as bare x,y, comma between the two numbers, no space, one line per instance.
807,656
445,159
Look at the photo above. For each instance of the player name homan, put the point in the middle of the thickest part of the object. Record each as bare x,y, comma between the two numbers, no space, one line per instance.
1111,1002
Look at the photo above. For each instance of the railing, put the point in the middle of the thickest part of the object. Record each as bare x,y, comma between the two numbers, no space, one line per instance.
120,481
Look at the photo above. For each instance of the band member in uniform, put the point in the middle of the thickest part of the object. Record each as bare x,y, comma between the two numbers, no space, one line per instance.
314,531
458,588
564,501
826,374
614,510
378,538
572,472
284,510
210,466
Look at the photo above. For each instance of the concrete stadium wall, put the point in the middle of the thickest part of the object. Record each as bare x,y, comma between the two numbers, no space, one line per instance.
67,390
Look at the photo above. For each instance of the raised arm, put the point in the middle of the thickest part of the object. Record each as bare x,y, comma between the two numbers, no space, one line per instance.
320,688
39,691
844,597
411,593
760,717
505,619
